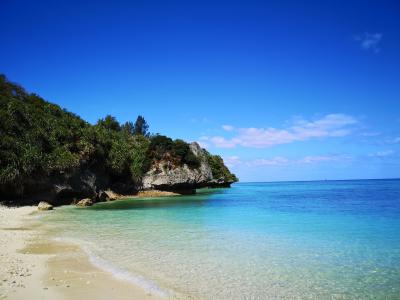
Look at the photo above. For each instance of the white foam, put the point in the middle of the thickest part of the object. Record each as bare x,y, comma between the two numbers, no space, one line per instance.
136,279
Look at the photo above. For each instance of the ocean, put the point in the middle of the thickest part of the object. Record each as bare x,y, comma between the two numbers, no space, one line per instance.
283,240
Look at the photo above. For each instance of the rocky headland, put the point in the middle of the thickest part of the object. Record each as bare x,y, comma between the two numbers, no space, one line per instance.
51,155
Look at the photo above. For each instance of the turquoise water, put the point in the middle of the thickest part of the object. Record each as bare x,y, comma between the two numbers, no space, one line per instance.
288,240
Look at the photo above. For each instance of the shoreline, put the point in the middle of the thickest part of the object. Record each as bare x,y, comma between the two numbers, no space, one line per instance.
35,266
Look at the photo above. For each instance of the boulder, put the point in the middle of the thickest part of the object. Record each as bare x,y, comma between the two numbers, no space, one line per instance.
45,206
85,202
107,196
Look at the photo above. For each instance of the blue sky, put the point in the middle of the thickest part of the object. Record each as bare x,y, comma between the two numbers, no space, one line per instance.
283,90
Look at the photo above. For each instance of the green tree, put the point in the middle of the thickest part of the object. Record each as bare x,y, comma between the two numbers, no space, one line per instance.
218,168
141,127
140,160
119,156
109,123
182,151
159,146
128,128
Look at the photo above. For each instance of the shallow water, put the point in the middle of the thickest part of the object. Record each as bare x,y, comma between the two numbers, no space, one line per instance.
293,240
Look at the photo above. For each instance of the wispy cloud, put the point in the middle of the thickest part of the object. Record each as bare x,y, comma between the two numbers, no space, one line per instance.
382,153
275,161
228,127
396,140
202,120
389,140
370,41
332,125
234,161
370,134
221,142
327,158
203,144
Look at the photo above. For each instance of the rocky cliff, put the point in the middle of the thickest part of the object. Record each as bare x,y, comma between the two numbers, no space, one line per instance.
165,176
49,154
93,183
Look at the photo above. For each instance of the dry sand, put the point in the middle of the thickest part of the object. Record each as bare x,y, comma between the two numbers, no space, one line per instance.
33,266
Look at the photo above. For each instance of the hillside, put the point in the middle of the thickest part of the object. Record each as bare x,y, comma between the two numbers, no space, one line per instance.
48,153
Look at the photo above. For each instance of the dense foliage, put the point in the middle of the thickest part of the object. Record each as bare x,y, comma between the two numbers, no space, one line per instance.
37,137
141,127
41,139
178,151
219,170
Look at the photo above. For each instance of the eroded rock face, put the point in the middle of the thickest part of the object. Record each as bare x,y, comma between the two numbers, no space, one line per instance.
93,185
58,189
107,196
85,202
45,206
164,176
84,183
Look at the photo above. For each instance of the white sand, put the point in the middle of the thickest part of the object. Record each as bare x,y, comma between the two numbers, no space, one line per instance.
34,267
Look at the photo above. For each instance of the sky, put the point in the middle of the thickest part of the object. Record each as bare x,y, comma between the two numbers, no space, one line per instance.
282,90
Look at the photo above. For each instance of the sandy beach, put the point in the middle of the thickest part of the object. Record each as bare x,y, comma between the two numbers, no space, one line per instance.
36,267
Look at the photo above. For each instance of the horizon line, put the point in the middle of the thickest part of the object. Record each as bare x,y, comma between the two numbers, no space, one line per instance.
318,180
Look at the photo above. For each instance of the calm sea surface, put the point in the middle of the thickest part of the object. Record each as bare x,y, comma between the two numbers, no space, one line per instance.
288,240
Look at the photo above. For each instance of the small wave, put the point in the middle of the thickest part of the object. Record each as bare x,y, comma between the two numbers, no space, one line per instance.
138,280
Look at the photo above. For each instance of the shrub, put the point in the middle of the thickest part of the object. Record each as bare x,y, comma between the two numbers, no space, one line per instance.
140,160
159,146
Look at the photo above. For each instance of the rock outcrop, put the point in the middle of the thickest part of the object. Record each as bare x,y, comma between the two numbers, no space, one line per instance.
108,195
45,206
164,176
85,202
155,193
220,183
91,185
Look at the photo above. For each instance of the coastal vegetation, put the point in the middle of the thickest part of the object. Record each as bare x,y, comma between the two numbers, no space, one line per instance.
218,168
43,145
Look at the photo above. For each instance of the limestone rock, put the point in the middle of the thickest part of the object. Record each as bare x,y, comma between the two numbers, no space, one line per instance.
155,193
220,183
164,176
107,196
45,206
85,202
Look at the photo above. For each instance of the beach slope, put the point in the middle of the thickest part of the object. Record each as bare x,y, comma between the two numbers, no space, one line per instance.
36,267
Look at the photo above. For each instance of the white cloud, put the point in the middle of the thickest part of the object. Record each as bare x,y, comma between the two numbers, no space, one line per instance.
228,127
221,142
382,153
204,138
275,161
370,134
391,140
319,159
370,41
396,140
203,144
332,125
233,161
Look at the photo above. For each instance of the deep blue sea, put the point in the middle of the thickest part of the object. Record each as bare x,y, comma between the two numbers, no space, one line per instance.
286,240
